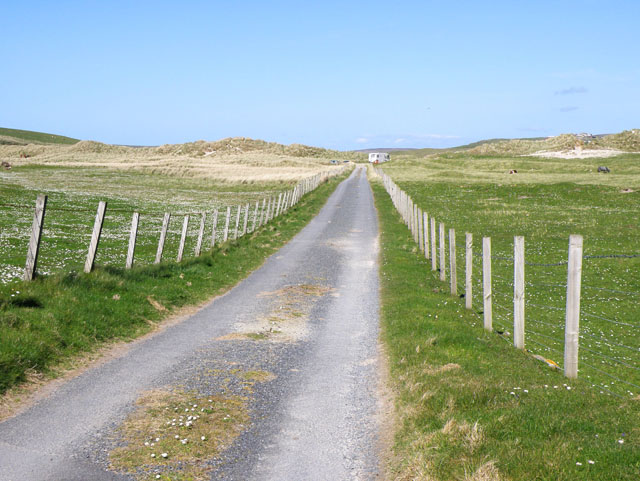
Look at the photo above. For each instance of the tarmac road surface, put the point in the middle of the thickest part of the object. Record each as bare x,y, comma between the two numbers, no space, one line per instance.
315,301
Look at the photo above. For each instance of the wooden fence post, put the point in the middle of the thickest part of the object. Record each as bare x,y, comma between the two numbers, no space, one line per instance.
262,212
468,285
34,242
203,219
95,237
132,240
255,217
246,219
486,284
278,207
225,234
452,262
433,245
235,232
518,292
213,229
183,237
443,269
425,234
572,318
163,236
420,230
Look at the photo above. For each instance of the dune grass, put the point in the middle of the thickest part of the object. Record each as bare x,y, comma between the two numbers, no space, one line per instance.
470,406
44,322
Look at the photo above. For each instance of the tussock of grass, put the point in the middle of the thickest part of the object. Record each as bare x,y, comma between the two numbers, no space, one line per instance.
174,434
56,317
498,415
258,376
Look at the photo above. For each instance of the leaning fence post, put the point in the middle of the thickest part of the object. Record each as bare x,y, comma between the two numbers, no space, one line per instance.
572,319
452,262
163,236
443,273
203,219
486,284
518,292
183,237
468,285
132,240
95,237
36,235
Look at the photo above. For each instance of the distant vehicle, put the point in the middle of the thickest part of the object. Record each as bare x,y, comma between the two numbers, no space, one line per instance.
334,161
378,157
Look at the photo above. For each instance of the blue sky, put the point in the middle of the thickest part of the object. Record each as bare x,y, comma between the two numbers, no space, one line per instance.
343,75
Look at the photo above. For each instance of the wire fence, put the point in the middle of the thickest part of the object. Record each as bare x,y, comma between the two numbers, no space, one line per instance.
608,333
67,229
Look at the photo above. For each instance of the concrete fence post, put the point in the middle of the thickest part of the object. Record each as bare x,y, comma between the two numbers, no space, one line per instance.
452,262
486,284
572,318
468,284
518,292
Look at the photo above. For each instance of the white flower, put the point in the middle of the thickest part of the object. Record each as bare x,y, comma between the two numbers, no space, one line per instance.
164,455
203,438
591,462
146,443
620,441
157,439
153,455
578,463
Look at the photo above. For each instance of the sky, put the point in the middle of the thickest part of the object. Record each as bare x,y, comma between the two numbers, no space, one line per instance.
342,75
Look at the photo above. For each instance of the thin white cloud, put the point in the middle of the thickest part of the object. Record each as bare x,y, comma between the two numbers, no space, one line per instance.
571,91
362,140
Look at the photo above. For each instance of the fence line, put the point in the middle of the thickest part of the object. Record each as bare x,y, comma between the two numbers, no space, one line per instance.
286,200
493,312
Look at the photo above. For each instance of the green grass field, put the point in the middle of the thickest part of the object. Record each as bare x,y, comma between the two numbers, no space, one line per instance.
55,317
73,196
469,406
546,202
28,136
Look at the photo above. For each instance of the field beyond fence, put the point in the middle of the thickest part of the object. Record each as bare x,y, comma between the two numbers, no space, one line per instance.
522,287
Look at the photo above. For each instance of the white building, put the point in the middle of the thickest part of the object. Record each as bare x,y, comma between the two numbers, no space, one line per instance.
378,157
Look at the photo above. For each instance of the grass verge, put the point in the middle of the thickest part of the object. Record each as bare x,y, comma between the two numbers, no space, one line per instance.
54,318
469,405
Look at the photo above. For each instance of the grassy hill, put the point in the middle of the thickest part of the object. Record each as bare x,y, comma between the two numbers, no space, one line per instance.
24,137
626,141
